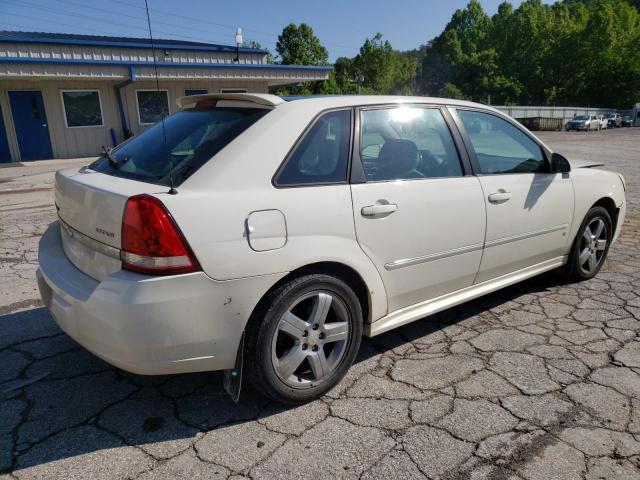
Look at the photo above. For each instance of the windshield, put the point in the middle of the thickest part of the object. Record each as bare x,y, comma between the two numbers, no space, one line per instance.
581,117
193,137
610,115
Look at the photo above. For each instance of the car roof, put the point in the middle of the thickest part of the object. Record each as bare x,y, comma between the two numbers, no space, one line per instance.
330,101
322,102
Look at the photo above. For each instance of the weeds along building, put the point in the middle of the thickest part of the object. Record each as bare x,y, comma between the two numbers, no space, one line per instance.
64,96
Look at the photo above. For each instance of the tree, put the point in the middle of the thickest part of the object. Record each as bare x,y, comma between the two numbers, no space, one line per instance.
382,69
449,90
297,45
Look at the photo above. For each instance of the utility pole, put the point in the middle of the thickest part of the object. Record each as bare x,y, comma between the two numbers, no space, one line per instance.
238,44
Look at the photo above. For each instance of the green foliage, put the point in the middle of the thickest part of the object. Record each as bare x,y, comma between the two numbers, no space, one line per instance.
449,90
382,69
297,45
576,51
584,52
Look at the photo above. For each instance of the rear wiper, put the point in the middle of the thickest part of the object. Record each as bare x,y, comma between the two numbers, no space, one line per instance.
106,153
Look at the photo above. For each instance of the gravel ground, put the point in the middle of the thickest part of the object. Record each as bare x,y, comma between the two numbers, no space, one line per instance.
537,381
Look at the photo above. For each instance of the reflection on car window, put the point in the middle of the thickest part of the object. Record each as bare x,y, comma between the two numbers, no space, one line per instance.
407,143
499,146
187,140
323,154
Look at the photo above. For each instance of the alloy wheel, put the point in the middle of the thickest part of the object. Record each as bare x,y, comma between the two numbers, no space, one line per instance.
311,339
593,245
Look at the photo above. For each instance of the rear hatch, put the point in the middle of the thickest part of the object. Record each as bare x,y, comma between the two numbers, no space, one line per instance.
90,206
91,201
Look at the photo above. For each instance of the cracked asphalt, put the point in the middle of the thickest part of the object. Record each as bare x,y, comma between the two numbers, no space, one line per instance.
537,381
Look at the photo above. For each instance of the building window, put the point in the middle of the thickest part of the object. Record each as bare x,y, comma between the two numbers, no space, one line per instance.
152,105
82,108
195,91
233,90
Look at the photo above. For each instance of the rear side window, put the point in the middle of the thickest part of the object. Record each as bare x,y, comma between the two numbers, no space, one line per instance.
193,137
322,156
500,147
407,142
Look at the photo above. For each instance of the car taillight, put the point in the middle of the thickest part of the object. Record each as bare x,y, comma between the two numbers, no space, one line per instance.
151,241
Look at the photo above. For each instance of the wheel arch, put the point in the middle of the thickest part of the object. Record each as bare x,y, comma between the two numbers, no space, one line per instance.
346,273
610,206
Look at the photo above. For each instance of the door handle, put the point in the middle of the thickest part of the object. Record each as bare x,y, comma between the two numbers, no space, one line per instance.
378,209
500,196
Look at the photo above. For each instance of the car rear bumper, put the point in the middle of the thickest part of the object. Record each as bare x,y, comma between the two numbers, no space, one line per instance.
144,324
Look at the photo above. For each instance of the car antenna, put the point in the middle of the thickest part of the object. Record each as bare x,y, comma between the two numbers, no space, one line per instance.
172,188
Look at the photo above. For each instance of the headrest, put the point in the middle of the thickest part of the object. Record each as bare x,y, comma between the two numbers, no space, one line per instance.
399,155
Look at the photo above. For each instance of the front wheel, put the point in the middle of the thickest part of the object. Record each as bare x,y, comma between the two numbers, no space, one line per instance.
304,338
591,245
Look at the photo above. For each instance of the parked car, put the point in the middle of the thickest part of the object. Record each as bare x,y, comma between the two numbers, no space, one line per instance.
614,120
583,122
273,233
626,121
604,122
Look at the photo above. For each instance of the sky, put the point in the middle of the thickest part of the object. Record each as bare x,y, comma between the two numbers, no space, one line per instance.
342,26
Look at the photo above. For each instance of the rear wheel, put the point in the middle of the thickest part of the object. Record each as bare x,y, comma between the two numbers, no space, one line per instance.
591,245
304,339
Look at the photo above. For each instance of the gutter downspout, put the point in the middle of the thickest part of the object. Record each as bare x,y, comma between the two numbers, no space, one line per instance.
123,118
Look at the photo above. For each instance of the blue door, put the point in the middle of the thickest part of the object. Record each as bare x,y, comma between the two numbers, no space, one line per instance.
5,156
30,121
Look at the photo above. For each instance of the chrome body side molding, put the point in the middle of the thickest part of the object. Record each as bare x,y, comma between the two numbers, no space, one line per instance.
435,305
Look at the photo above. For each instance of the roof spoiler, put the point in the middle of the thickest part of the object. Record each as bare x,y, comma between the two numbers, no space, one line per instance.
264,99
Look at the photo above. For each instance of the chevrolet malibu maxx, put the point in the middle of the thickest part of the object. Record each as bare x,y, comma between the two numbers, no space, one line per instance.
279,231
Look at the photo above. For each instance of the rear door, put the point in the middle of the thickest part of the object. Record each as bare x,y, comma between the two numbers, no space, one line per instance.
418,211
529,210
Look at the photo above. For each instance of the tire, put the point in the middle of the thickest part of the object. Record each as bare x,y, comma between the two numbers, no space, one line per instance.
588,254
291,327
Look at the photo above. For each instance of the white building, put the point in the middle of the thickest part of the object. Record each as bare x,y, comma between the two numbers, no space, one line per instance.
64,96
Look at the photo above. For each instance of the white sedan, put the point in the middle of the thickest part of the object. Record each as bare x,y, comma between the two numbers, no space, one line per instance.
273,233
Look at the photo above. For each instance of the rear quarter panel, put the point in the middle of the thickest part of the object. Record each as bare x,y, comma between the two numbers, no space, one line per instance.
212,207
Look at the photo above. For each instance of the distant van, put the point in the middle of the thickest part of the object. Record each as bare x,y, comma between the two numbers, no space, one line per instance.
636,115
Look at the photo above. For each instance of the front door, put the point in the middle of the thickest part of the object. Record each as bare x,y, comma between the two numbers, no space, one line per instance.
30,121
529,210
5,155
418,217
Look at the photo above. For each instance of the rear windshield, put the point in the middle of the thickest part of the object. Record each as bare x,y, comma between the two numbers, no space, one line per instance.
193,136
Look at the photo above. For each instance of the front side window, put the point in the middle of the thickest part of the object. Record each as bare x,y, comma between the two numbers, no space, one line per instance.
501,147
407,143
152,105
322,156
82,108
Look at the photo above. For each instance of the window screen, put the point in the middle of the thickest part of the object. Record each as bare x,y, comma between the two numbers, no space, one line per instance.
194,91
323,154
500,146
82,108
152,105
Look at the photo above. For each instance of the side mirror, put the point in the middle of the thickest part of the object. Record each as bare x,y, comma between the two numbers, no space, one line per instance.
559,164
